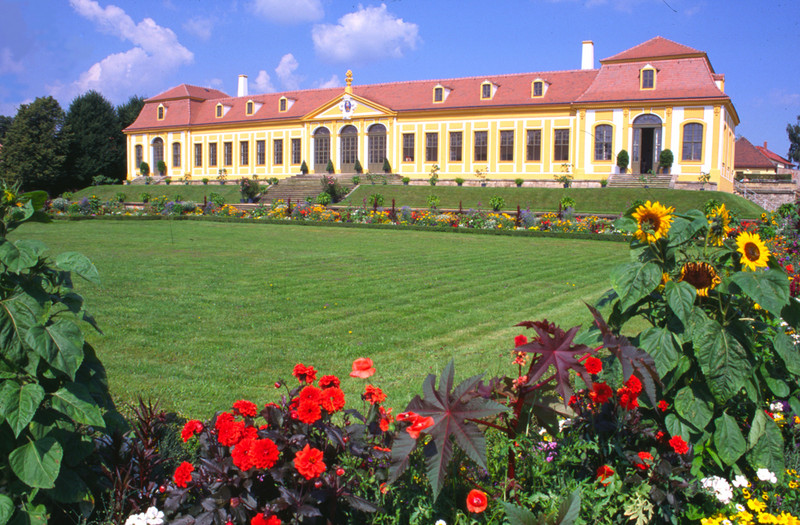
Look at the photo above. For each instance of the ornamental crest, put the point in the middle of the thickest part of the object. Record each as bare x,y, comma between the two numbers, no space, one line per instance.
347,106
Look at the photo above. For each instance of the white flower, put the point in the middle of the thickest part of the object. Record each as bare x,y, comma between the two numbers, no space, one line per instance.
776,406
440,522
740,481
153,516
136,519
765,475
740,507
720,487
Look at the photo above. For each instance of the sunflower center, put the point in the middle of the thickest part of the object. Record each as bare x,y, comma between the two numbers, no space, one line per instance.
650,223
700,275
751,251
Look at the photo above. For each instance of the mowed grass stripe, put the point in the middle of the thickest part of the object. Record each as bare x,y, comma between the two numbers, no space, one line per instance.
199,314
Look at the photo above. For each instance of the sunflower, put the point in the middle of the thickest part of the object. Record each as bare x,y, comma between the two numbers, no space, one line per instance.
701,275
653,221
718,225
754,253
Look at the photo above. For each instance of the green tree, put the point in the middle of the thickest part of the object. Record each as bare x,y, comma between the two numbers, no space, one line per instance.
794,140
94,140
5,123
33,149
129,111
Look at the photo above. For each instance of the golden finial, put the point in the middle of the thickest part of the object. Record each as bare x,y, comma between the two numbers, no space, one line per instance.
348,77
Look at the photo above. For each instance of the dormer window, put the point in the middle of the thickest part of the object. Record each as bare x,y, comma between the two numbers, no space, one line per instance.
249,107
438,94
219,110
160,112
486,90
282,104
647,76
538,88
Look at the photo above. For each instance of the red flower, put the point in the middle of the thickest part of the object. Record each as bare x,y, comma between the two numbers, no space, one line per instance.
308,462
593,365
264,453
191,428
332,399
329,382
645,457
601,393
386,419
304,373
789,268
374,395
362,368
407,416
309,412
183,474
258,519
310,393
229,432
245,408
663,405
678,445
634,384
419,424
659,435
476,501
603,473
628,398
520,340
572,400
241,454
519,358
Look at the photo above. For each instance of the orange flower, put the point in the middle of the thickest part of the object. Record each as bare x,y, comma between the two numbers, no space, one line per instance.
362,368
386,419
476,501
308,462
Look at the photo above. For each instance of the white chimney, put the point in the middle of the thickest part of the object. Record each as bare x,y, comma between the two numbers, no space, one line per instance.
242,91
587,55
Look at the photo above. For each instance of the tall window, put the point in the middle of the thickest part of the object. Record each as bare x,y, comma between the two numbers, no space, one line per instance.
158,152
176,154
538,88
198,155
408,147
692,142
296,151
261,152
602,142
160,112
481,145
648,78
455,146
139,156
431,147
249,108
227,153
507,145
533,146
561,145
438,94
212,154
486,91
278,153
219,110
282,105
244,153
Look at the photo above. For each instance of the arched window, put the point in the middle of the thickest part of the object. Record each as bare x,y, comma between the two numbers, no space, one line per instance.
219,111
158,152
603,142
249,107
348,140
537,88
647,77
692,146
160,115
376,147
322,149
139,156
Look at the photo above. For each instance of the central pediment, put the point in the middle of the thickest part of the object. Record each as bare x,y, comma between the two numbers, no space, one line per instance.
348,106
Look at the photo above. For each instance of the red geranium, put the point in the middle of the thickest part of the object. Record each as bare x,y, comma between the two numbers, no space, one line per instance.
679,445
191,428
259,519
593,365
362,368
634,384
304,373
264,453
309,412
373,395
601,393
229,432
476,501
332,399
645,458
183,474
663,405
308,462
627,398
245,408
329,382
603,473
520,340
241,454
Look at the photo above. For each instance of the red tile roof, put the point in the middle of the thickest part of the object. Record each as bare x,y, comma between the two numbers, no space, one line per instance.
185,90
657,47
774,157
748,156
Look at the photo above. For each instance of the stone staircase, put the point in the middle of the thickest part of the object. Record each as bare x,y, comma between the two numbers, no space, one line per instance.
632,180
299,187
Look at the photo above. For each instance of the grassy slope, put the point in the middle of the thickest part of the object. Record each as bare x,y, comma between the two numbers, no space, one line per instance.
199,314
229,191
587,200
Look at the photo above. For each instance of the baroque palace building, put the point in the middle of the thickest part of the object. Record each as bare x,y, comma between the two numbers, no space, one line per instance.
535,126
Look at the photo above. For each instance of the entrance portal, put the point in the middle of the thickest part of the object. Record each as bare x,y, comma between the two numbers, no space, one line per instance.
646,144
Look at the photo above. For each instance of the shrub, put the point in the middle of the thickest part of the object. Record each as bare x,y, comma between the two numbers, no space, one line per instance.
567,202
205,181
666,159
434,178
329,167
459,181
622,160
120,196
304,168
519,182
162,167
331,186
603,183
357,167
167,180
144,169
433,201
356,180
100,180
324,198
375,200
145,197
216,199
387,168
497,202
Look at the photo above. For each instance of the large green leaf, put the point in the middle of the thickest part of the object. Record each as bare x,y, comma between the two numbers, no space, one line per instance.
37,463
517,515
37,198
766,444
728,439
60,344
74,400
70,488
678,427
788,351
6,509
633,281
684,228
660,343
17,257
17,314
691,404
19,404
722,358
79,264
680,298
770,289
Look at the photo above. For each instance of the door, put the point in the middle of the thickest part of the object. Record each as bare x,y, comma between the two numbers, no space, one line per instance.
377,148
646,144
349,151
322,149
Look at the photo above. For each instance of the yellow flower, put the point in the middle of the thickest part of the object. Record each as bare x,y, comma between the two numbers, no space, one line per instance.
754,253
653,220
718,225
701,275
793,485
756,505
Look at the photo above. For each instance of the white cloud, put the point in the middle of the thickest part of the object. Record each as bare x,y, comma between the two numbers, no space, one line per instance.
782,97
263,84
216,83
289,12
370,33
156,52
7,62
199,27
330,83
285,71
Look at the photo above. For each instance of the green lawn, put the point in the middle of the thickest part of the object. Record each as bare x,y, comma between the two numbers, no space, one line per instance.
587,200
199,314
192,192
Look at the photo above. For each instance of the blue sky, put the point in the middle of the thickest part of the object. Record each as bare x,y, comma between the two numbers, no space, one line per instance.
122,48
